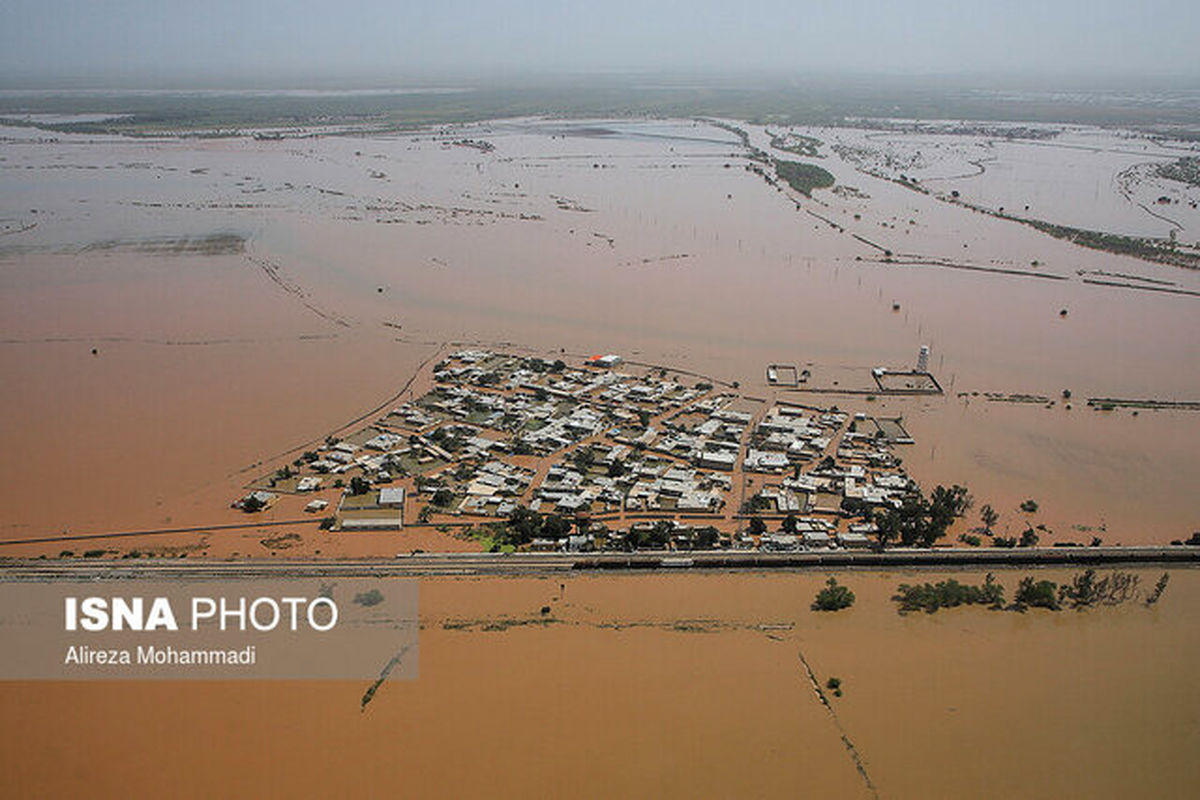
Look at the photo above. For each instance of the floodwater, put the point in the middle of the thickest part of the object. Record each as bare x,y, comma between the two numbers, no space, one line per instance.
360,258
1080,176
667,686
354,259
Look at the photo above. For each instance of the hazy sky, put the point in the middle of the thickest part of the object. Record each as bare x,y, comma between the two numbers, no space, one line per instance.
215,41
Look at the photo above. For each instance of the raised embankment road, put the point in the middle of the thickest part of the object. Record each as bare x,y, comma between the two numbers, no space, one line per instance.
429,564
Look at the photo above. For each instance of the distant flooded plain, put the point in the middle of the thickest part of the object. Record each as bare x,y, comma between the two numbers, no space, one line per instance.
245,297
178,316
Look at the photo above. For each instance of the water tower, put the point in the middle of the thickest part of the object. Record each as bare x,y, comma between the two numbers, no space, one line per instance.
923,359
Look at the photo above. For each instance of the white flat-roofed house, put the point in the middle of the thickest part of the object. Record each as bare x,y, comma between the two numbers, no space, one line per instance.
392,497
372,523
780,541
766,461
383,441
854,539
739,417
259,497
717,459
814,538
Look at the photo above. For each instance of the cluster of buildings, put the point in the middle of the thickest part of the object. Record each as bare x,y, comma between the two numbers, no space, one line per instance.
615,479
707,434
791,436
494,488
500,431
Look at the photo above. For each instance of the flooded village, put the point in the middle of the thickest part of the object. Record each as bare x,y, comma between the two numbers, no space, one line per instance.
1048,383
615,459
357,346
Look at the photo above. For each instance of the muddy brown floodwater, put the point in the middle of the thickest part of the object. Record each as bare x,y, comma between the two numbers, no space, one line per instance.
246,298
667,686
343,263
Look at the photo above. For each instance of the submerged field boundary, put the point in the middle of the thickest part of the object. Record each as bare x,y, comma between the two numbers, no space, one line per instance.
855,756
80,537
1143,288
542,563
360,418
933,262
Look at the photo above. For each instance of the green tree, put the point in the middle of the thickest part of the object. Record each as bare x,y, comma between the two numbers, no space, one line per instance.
887,526
833,597
944,506
1159,588
523,526
757,526
660,534
1036,594
947,594
556,526
583,458
919,522
755,504
855,507
1087,589
989,517
707,538
909,522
